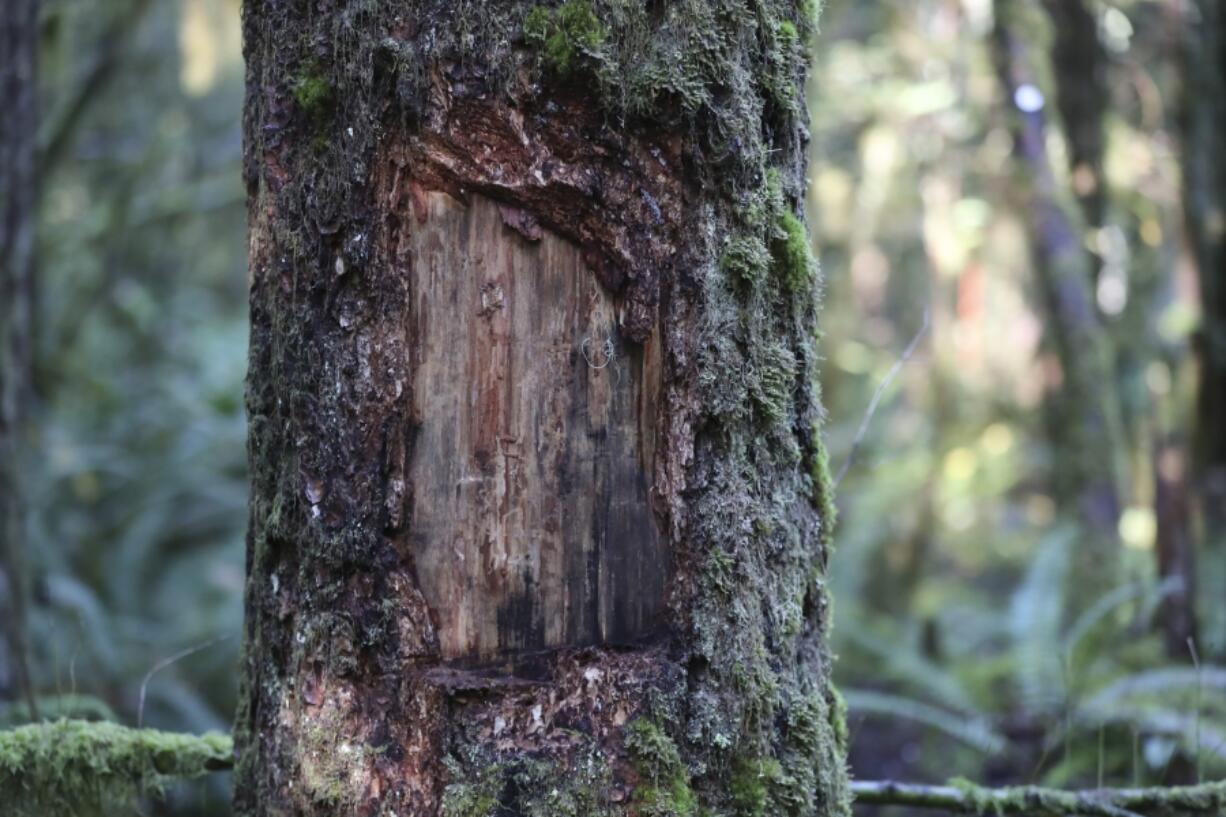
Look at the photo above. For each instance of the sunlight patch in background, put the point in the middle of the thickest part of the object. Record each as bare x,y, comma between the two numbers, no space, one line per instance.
210,41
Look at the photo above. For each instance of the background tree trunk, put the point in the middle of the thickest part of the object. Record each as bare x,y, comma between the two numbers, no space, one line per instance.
1204,185
540,511
1082,414
1083,97
18,41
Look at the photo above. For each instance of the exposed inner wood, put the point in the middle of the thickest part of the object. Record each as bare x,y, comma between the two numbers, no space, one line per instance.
531,524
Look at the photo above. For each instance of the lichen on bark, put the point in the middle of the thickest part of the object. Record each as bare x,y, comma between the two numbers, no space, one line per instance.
667,142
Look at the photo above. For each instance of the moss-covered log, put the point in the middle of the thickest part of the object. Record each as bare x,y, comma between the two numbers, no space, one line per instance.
89,769
540,510
962,797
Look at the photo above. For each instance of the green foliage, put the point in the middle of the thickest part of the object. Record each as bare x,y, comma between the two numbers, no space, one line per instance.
83,769
564,34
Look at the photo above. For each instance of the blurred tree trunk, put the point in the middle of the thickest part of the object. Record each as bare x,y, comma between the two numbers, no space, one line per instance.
1081,413
18,41
1080,64
539,509
1175,550
1204,183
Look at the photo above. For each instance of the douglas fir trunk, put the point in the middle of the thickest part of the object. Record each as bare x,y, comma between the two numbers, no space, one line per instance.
540,511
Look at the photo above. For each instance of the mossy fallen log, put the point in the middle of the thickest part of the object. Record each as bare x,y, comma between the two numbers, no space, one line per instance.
963,797
81,768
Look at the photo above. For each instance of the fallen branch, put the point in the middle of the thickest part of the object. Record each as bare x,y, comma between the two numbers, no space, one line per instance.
966,798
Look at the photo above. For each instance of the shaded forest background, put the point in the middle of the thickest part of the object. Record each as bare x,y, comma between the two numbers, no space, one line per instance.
1031,560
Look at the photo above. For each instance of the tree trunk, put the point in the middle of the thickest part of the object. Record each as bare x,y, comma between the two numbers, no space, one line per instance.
18,40
1079,65
1204,184
540,512
1081,413
1175,551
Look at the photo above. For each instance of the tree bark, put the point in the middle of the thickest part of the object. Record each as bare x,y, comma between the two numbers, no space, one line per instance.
1204,184
1176,552
1080,70
18,195
540,511
1081,413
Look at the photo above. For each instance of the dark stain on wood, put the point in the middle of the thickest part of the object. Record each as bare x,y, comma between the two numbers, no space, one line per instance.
531,522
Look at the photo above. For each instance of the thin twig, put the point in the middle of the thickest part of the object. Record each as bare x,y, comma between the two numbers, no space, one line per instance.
163,664
1204,798
1196,663
872,405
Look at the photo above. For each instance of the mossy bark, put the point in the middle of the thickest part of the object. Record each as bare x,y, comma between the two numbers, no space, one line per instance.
656,151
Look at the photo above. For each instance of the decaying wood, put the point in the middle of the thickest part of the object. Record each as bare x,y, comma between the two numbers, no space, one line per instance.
532,525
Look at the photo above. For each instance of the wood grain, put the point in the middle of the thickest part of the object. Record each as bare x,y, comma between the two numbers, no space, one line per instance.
531,523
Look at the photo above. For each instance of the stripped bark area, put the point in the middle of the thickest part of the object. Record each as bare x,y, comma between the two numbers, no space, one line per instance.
531,521
540,513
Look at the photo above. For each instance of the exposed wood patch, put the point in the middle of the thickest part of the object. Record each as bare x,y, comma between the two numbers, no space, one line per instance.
531,522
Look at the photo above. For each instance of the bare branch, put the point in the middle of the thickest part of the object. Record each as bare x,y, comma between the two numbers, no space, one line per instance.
163,664
872,405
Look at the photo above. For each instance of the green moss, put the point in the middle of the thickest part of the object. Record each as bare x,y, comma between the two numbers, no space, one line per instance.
566,34
86,769
793,256
746,258
55,707
672,798
331,764
822,486
838,720
313,91
776,370
750,785
466,800
529,787
720,572
665,788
